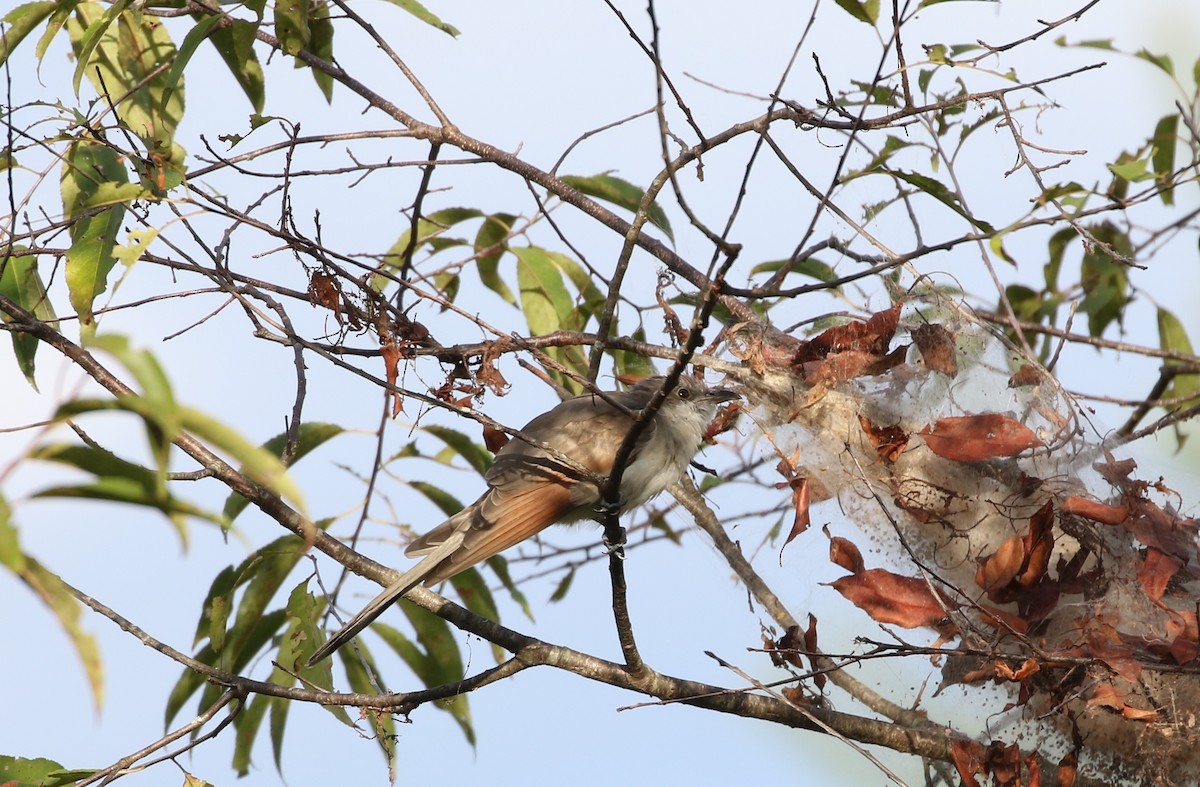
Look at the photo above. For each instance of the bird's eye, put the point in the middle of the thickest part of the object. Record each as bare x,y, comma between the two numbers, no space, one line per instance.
684,393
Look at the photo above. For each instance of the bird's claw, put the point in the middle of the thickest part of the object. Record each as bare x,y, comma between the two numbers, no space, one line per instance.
608,508
618,548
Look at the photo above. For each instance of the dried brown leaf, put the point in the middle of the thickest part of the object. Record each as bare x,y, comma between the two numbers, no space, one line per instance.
889,441
891,598
1028,374
997,570
974,438
844,553
937,348
871,337
1155,571
968,757
1094,510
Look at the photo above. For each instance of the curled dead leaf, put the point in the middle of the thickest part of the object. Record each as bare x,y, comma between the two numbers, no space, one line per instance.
975,438
895,599
889,441
937,348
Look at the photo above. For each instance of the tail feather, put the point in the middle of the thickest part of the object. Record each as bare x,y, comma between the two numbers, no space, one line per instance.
407,581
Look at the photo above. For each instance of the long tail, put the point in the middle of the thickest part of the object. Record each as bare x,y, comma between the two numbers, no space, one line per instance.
407,581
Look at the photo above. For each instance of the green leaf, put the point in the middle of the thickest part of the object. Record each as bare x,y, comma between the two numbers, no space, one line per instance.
439,662
235,45
47,586
1172,337
430,232
564,585
1133,171
1104,279
118,481
490,245
383,724
621,193
499,566
631,363
811,267
263,574
258,463
1166,136
87,166
311,436
448,503
57,20
938,191
1162,61
23,772
19,23
245,726
475,596
544,298
426,16
478,457
89,37
191,41
21,283
864,11
321,44
124,60
291,25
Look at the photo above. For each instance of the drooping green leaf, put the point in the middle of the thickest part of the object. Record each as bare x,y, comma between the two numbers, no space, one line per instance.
1104,278
23,772
564,585
87,167
631,363
321,44
87,33
490,245
262,574
383,724
436,662
21,283
291,25
19,23
938,191
862,10
235,44
621,193
548,306
47,586
448,503
499,566
1163,143
310,437
122,57
475,596
203,28
425,15
257,463
544,298
1162,61
811,267
475,455
1172,337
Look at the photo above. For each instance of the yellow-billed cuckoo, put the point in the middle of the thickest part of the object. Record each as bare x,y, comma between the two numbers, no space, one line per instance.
529,489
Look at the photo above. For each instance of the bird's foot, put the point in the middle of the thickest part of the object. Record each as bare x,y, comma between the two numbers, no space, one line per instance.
615,547
607,508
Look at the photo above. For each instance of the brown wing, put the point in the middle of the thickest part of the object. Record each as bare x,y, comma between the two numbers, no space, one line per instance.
529,489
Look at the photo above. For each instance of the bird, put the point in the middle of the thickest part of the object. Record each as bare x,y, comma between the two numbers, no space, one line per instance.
530,488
